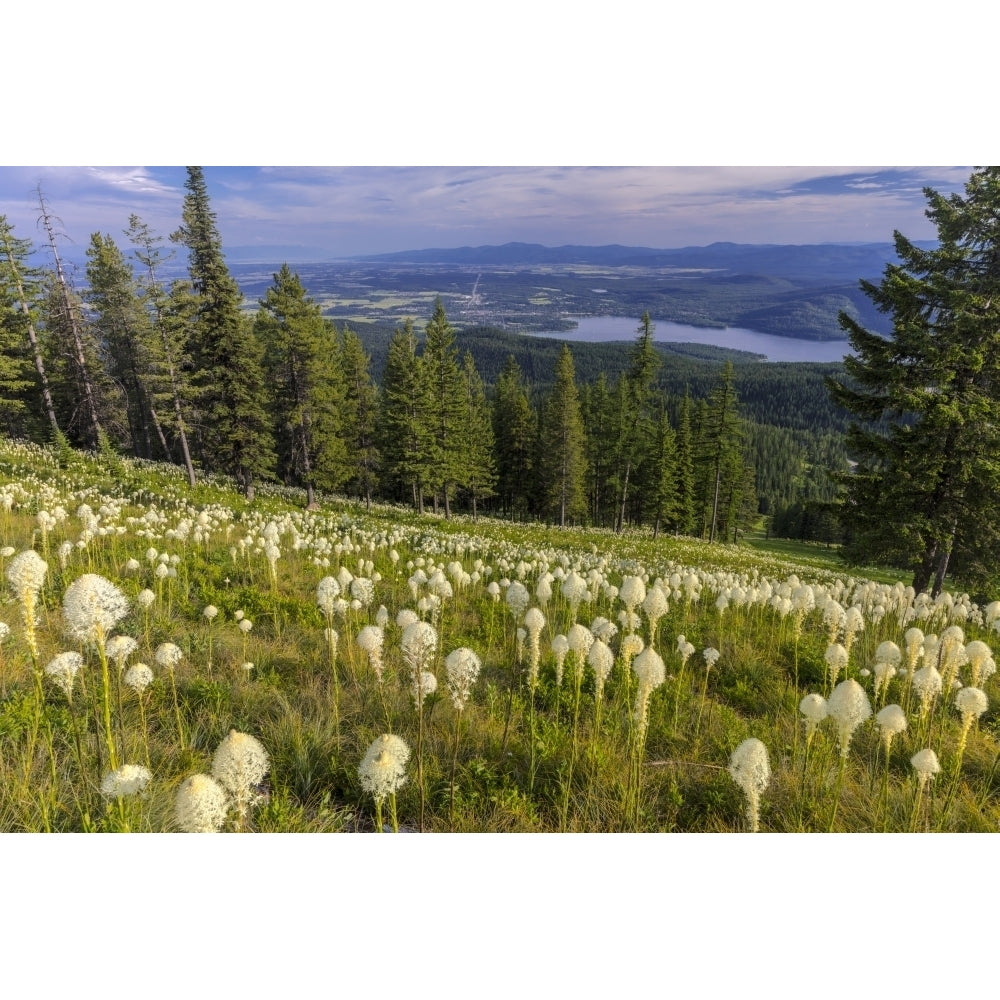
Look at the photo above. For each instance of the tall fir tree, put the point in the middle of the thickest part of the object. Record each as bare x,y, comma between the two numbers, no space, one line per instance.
477,470
361,405
562,457
721,443
636,398
123,329
236,431
307,388
406,439
514,426
447,405
927,398
171,315
685,469
602,423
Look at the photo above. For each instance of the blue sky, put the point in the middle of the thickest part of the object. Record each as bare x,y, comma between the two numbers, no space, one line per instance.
343,211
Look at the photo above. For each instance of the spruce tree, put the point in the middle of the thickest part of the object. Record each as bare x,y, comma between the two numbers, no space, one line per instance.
406,439
123,329
514,427
171,316
561,452
927,398
307,387
236,432
447,405
477,474
721,443
360,416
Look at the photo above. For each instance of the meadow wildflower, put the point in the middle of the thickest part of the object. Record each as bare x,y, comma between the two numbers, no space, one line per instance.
63,669
239,765
201,805
138,677
383,772
462,666
92,607
129,779
750,769
848,706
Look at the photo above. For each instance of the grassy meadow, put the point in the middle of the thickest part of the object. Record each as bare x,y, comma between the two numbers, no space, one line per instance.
176,659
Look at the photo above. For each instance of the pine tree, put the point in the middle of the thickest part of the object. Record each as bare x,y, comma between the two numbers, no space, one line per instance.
16,380
361,406
661,486
64,310
123,329
236,433
406,439
634,417
685,470
602,421
447,405
307,387
477,474
562,457
927,398
171,316
514,427
721,442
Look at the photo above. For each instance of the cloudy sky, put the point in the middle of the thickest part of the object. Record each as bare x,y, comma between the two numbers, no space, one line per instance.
345,211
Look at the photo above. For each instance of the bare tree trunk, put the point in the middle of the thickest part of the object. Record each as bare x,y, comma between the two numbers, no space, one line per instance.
84,374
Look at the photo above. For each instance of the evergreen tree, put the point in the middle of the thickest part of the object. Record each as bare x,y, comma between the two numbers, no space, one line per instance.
514,428
123,330
66,316
602,420
447,405
927,398
661,487
406,429
236,433
478,468
685,470
170,316
360,416
634,414
306,386
721,441
563,463
16,382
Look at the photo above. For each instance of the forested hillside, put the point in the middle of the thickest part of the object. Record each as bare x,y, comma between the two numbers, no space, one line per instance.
681,438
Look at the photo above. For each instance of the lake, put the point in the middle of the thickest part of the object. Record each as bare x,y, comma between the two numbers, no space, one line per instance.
598,328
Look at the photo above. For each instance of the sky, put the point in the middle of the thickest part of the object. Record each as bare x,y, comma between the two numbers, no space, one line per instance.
320,212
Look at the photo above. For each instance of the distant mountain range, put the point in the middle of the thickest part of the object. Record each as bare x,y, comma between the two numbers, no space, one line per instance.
808,264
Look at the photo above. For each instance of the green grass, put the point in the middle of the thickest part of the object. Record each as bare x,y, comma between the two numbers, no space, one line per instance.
522,764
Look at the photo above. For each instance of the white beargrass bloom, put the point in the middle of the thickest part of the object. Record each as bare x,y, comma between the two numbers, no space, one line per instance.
971,702
517,598
750,769
685,650
201,805
138,677
601,660
977,653
129,779
927,682
423,683
119,648
406,617
371,639
560,647
655,606
210,611
462,666
926,765
813,707
836,657
891,720
383,768
92,607
168,655
63,669
239,765
145,599
848,706
652,672
26,574
419,643
327,592
711,657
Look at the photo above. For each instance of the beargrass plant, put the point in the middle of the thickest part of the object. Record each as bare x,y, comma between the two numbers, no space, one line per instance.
210,546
